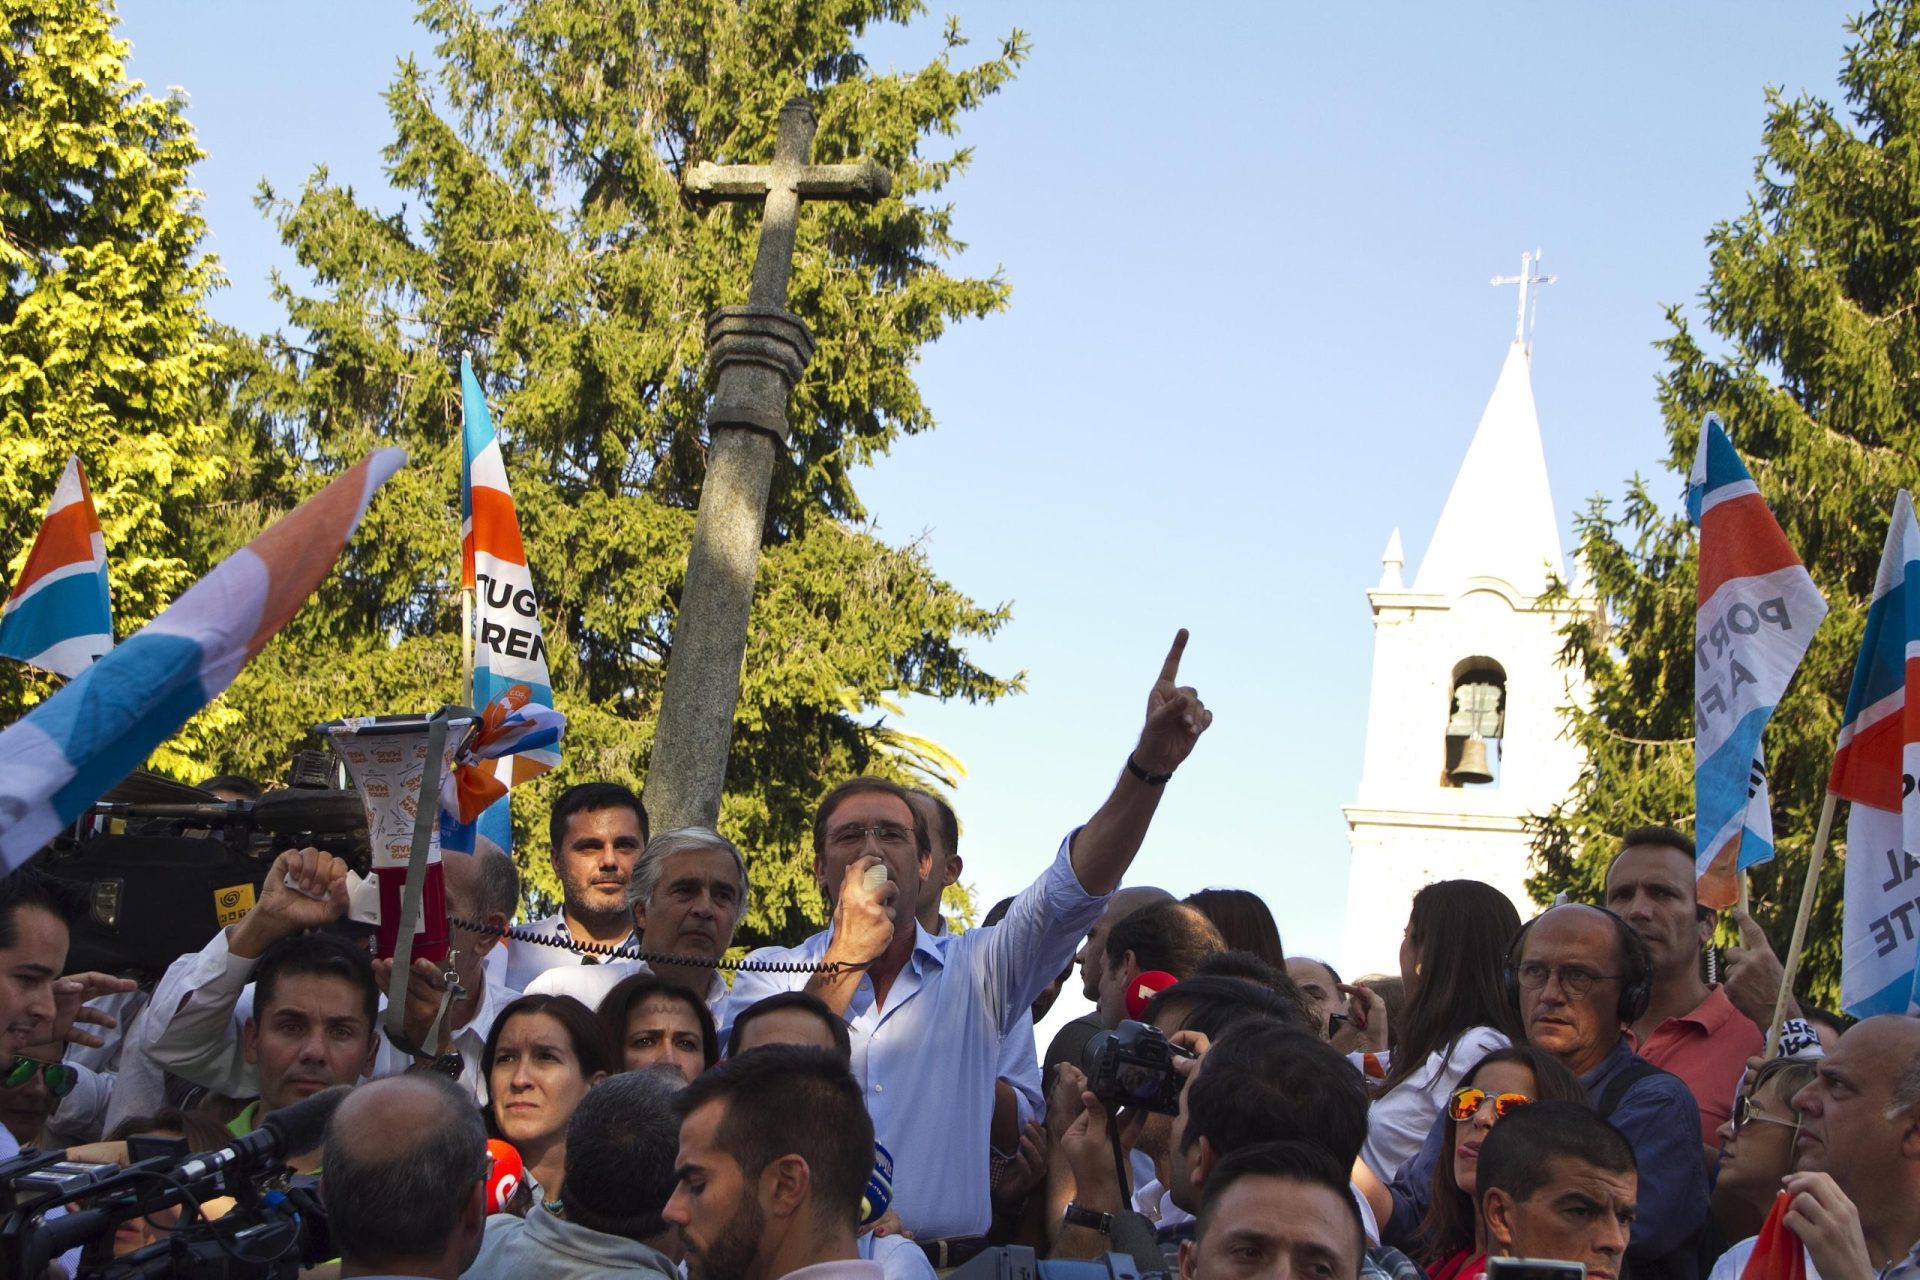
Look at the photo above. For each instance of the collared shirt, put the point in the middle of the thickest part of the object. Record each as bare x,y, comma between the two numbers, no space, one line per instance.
1659,1120
1019,1060
898,1256
555,1249
199,1040
590,983
526,961
1708,1049
850,1269
928,1059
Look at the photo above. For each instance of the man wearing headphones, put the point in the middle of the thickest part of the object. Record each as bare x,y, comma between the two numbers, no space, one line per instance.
1581,976
1690,1027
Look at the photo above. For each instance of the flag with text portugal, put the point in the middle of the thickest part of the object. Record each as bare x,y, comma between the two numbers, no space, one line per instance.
60,616
1758,609
1874,764
508,649
63,755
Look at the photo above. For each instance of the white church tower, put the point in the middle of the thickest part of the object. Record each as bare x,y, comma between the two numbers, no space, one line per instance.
1463,721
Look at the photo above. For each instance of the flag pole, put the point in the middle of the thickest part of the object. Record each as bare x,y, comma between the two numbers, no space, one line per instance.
1791,968
466,647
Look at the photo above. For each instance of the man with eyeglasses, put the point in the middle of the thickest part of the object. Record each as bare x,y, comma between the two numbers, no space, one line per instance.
1580,975
927,1019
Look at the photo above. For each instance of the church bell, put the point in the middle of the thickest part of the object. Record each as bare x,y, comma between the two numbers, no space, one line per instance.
1473,766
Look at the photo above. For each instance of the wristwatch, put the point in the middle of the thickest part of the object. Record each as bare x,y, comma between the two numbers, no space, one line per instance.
1075,1216
449,1065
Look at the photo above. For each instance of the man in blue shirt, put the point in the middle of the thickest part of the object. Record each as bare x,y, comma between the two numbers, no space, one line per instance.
927,1017
1581,976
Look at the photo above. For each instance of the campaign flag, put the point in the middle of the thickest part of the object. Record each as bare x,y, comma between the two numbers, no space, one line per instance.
1874,764
64,754
1758,609
508,649
60,616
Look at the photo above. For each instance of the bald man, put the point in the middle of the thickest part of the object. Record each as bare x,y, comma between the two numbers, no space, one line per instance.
199,1038
405,1179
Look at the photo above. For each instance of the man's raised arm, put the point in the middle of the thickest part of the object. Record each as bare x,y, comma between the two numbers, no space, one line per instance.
1105,847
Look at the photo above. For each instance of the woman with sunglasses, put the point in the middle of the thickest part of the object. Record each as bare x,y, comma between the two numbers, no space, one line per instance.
1450,1241
1756,1146
29,1093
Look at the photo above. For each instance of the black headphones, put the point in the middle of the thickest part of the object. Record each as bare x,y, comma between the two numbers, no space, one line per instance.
1636,978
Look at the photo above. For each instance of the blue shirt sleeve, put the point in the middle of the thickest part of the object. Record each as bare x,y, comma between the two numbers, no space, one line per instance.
1660,1120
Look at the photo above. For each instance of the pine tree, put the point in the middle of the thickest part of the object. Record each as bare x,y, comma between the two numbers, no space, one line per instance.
105,348
1813,307
548,235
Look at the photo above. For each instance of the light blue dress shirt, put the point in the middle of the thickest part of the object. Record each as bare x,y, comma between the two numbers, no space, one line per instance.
928,1059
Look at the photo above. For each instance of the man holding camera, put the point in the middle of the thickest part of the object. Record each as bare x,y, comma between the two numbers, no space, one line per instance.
926,1019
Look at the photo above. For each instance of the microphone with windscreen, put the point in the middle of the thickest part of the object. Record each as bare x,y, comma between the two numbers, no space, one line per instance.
504,1176
1145,988
283,1134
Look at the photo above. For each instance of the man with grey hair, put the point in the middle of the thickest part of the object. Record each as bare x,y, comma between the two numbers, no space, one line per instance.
1856,1178
621,1145
405,1181
686,893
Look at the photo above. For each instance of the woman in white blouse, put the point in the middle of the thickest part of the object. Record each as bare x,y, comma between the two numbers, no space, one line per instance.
1452,962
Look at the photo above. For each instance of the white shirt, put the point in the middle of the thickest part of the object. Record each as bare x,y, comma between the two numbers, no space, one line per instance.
526,961
1734,1261
1398,1122
200,1039
927,1060
590,983
899,1257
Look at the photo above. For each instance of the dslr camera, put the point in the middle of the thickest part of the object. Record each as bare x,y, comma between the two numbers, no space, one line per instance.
1132,1066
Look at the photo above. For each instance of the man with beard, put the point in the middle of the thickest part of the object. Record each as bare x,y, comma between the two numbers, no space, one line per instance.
775,1151
596,832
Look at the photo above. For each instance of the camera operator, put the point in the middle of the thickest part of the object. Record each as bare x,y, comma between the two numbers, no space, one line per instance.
199,1038
405,1183
927,1019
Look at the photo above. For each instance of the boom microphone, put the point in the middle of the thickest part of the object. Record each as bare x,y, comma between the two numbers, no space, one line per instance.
290,1131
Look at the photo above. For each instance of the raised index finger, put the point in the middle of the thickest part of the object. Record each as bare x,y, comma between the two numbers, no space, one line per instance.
1170,669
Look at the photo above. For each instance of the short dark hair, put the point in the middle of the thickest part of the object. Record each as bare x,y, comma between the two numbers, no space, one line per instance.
586,1033
1243,919
867,784
1519,1152
1170,936
1664,837
1251,968
787,1099
803,1000
1295,1162
407,1205
1214,1002
617,1005
499,879
1264,1082
590,797
621,1145
30,887
317,954
233,782
949,820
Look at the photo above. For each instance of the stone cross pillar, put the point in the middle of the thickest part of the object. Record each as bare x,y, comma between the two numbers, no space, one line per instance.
757,352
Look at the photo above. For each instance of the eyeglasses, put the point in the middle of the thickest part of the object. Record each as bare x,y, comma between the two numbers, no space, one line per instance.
1744,1112
58,1076
1466,1100
889,835
1575,981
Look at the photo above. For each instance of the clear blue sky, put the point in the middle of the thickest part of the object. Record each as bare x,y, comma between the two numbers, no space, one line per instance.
1251,333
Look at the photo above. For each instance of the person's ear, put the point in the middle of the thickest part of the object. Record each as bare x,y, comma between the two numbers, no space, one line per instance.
1129,968
1910,1138
483,942
1189,1258
1204,1158
250,1042
1498,1208
596,1078
784,1186
954,867
1706,920
473,1214
374,1037
639,916
828,889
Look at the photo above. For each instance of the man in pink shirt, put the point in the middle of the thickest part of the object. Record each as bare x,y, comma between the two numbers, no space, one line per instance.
1690,1028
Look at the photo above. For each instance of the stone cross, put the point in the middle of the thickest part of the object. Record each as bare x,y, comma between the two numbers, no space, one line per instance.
1522,327
757,353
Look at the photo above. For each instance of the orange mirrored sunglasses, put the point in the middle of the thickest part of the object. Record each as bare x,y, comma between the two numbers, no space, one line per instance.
1466,1100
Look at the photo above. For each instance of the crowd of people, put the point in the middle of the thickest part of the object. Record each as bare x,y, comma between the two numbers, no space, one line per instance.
872,1103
